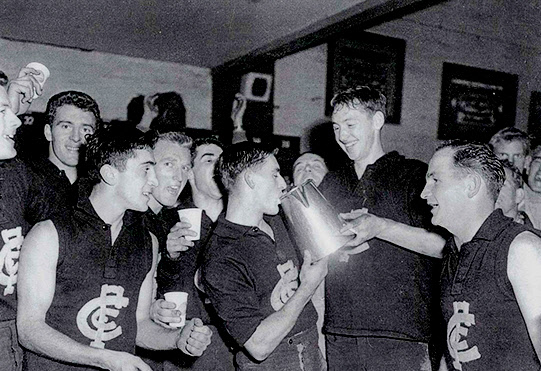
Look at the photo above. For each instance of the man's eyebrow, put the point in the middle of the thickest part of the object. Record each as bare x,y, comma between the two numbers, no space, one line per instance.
149,162
208,154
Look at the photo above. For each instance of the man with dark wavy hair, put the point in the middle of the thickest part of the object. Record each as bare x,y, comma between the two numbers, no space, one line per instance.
87,282
491,277
385,319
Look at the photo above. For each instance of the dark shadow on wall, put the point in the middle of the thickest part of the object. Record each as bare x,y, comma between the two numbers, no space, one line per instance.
321,141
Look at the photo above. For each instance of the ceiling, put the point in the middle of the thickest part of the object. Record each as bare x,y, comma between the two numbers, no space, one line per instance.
204,33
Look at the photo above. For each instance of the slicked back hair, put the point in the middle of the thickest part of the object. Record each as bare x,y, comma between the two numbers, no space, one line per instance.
176,137
478,158
238,158
78,99
112,145
205,141
511,134
360,97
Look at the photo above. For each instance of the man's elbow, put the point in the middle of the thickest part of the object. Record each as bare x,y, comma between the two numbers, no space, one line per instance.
26,330
259,352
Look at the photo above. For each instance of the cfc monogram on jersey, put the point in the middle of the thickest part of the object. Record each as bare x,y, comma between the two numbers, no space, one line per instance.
93,318
286,287
12,240
457,331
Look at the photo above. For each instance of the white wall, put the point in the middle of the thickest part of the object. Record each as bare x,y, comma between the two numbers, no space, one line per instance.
112,80
299,92
456,32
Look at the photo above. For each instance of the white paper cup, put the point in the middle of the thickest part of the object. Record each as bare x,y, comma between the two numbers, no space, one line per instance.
181,300
45,73
194,217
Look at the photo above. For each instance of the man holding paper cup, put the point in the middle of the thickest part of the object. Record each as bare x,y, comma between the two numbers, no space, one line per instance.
252,272
86,283
182,229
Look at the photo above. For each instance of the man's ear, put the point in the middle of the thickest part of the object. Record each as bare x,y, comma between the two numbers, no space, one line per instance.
249,178
47,130
519,195
378,120
109,174
473,184
527,162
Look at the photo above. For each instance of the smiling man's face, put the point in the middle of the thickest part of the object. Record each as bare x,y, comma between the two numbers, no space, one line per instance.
9,123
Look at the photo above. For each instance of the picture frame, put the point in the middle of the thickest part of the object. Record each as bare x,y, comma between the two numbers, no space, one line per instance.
372,60
475,102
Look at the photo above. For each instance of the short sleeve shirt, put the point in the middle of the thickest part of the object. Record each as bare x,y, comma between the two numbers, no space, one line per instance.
248,276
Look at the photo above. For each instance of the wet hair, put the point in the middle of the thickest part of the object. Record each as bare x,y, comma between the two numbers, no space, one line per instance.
478,158
364,97
112,145
238,158
176,137
204,141
511,134
516,175
78,99
3,79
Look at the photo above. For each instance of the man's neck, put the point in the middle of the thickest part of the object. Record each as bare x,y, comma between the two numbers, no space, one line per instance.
213,207
361,164
240,212
471,225
70,171
103,202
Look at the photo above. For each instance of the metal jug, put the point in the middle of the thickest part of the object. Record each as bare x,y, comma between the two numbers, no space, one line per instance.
312,221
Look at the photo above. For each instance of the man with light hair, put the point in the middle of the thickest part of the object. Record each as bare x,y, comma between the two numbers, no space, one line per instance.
513,145
531,204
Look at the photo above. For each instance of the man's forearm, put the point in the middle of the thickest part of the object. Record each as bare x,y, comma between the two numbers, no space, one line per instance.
44,340
152,336
273,329
415,239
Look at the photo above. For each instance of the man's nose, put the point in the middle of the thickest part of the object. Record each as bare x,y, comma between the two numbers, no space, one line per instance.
344,134
152,179
14,120
425,192
75,135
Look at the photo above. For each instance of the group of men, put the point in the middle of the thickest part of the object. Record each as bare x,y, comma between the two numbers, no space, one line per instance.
86,283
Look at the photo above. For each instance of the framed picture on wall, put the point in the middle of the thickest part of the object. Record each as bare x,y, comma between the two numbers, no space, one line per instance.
534,117
475,103
368,59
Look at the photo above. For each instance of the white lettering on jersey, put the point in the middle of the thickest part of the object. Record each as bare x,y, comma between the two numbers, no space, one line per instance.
99,309
286,287
9,258
457,331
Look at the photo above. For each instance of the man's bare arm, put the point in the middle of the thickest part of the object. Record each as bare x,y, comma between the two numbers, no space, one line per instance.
366,226
273,329
192,339
36,288
524,272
